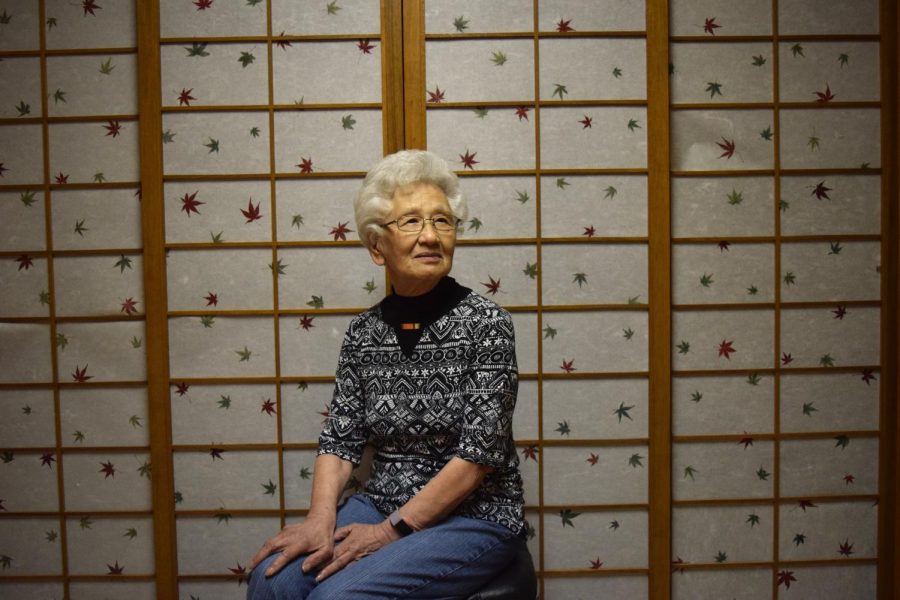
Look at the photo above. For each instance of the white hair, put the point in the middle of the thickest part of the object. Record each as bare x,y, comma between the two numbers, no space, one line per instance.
375,197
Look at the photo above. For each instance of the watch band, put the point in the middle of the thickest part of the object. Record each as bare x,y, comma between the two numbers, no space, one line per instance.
399,524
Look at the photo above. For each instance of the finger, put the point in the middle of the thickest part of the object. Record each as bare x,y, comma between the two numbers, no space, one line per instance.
268,548
343,532
315,559
283,558
334,566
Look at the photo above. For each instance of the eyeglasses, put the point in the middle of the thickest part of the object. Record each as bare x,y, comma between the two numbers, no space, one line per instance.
415,223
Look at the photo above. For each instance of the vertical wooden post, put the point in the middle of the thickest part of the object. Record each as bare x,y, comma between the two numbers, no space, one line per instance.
415,135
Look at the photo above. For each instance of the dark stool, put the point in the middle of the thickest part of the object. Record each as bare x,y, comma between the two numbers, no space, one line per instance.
515,582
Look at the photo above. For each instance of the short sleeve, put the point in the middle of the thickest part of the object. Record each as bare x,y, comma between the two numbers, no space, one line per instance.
490,393
344,433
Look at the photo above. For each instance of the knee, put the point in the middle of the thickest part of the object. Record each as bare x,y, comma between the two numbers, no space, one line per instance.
287,584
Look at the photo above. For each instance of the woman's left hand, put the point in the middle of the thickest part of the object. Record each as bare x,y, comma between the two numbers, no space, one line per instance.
356,541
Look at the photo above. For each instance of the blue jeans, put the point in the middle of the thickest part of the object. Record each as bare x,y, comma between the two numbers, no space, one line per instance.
449,561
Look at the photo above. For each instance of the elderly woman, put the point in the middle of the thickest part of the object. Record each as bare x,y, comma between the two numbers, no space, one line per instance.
428,377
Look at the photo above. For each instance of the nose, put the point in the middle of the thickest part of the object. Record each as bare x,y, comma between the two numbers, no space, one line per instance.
429,233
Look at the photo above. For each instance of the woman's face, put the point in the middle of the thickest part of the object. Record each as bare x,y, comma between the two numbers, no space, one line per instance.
416,262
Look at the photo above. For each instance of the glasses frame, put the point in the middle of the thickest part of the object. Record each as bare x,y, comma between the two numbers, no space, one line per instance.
425,220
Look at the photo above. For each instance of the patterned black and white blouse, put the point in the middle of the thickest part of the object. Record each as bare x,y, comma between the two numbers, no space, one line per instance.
450,391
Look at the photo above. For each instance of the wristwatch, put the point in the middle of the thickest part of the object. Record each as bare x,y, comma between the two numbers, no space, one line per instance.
399,524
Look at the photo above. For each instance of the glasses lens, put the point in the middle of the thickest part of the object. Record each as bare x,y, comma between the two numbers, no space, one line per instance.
443,223
415,224
410,223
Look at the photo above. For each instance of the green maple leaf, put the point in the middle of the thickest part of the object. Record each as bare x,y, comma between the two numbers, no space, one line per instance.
23,108
635,460
26,409
79,436
316,302
51,23
549,332
475,223
59,96
145,469
461,23
244,354
689,472
559,90
617,72
51,536
123,263
480,112
216,238
530,531
633,124
561,183
766,133
305,473
783,205
224,401
634,299
835,248
790,278
106,67
5,560
671,69
213,145
579,278
222,516
762,474
5,18
563,428
706,280
759,60
844,59
253,2
609,192
44,297
713,87
278,267
61,341
300,101
168,137
99,177
696,396
628,333
254,132
683,347
80,228
721,557
297,220
826,360
813,143
530,270
347,121
498,58
622,411
246,58
809,409
85,522
799,538
753,379
7,457
178,497
614,525
797,50
522,197
302,386
207,321
752,290
735,197
567,515
864,165
135,421
753,520
197,49
270,488
332,7
130,533
370,286
27,198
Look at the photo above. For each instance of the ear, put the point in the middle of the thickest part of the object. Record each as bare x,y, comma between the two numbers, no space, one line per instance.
375,252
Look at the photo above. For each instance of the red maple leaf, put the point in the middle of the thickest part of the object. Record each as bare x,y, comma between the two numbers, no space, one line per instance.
47,459
306,322
493,287
710,25
725,349
596,563
786,359
849,479
723,246
184,98
746,442
563,26
826,95
283,44
727,146
586,122
89,7
437,96
786,577
268,407
25,262
845,549
211,299
139,193
340,232
530,452
522,112
112,128
108,470
216,453
240,571
203,4
468,160
325,413
593,458
305,165
589,231
252,212
567,366
365,47
820,191
839,312
804,504
677,564
129,306
61,178
115,569
80,375
182,388
189,203
867,376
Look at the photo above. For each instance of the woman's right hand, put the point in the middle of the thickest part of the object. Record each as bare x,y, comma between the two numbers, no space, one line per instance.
314,537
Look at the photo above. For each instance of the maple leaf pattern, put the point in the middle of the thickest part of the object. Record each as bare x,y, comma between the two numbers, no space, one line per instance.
107,469
25,262
460,23
868,376
184,98
48,460
596,563
713,88
283,44
112,128
244,354
468,160
246,58
89,6
589,231
305,165
61,178
785,578
365,46
726,349
728,148
825,96
567,365
559,90
80,375
182,388
268,407
710,25
493,287
306,322
437,96
129,306
203,4
567,515
340,231
586,122
522,113
846,548
592,459
564,26
820,191
252,212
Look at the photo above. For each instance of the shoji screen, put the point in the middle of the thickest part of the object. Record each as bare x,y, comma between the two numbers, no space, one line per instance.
776,202
271,112
75,472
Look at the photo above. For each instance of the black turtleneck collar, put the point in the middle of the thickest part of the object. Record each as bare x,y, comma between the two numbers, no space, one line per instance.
410,315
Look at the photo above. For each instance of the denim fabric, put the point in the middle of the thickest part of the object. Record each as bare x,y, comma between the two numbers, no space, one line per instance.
449,561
